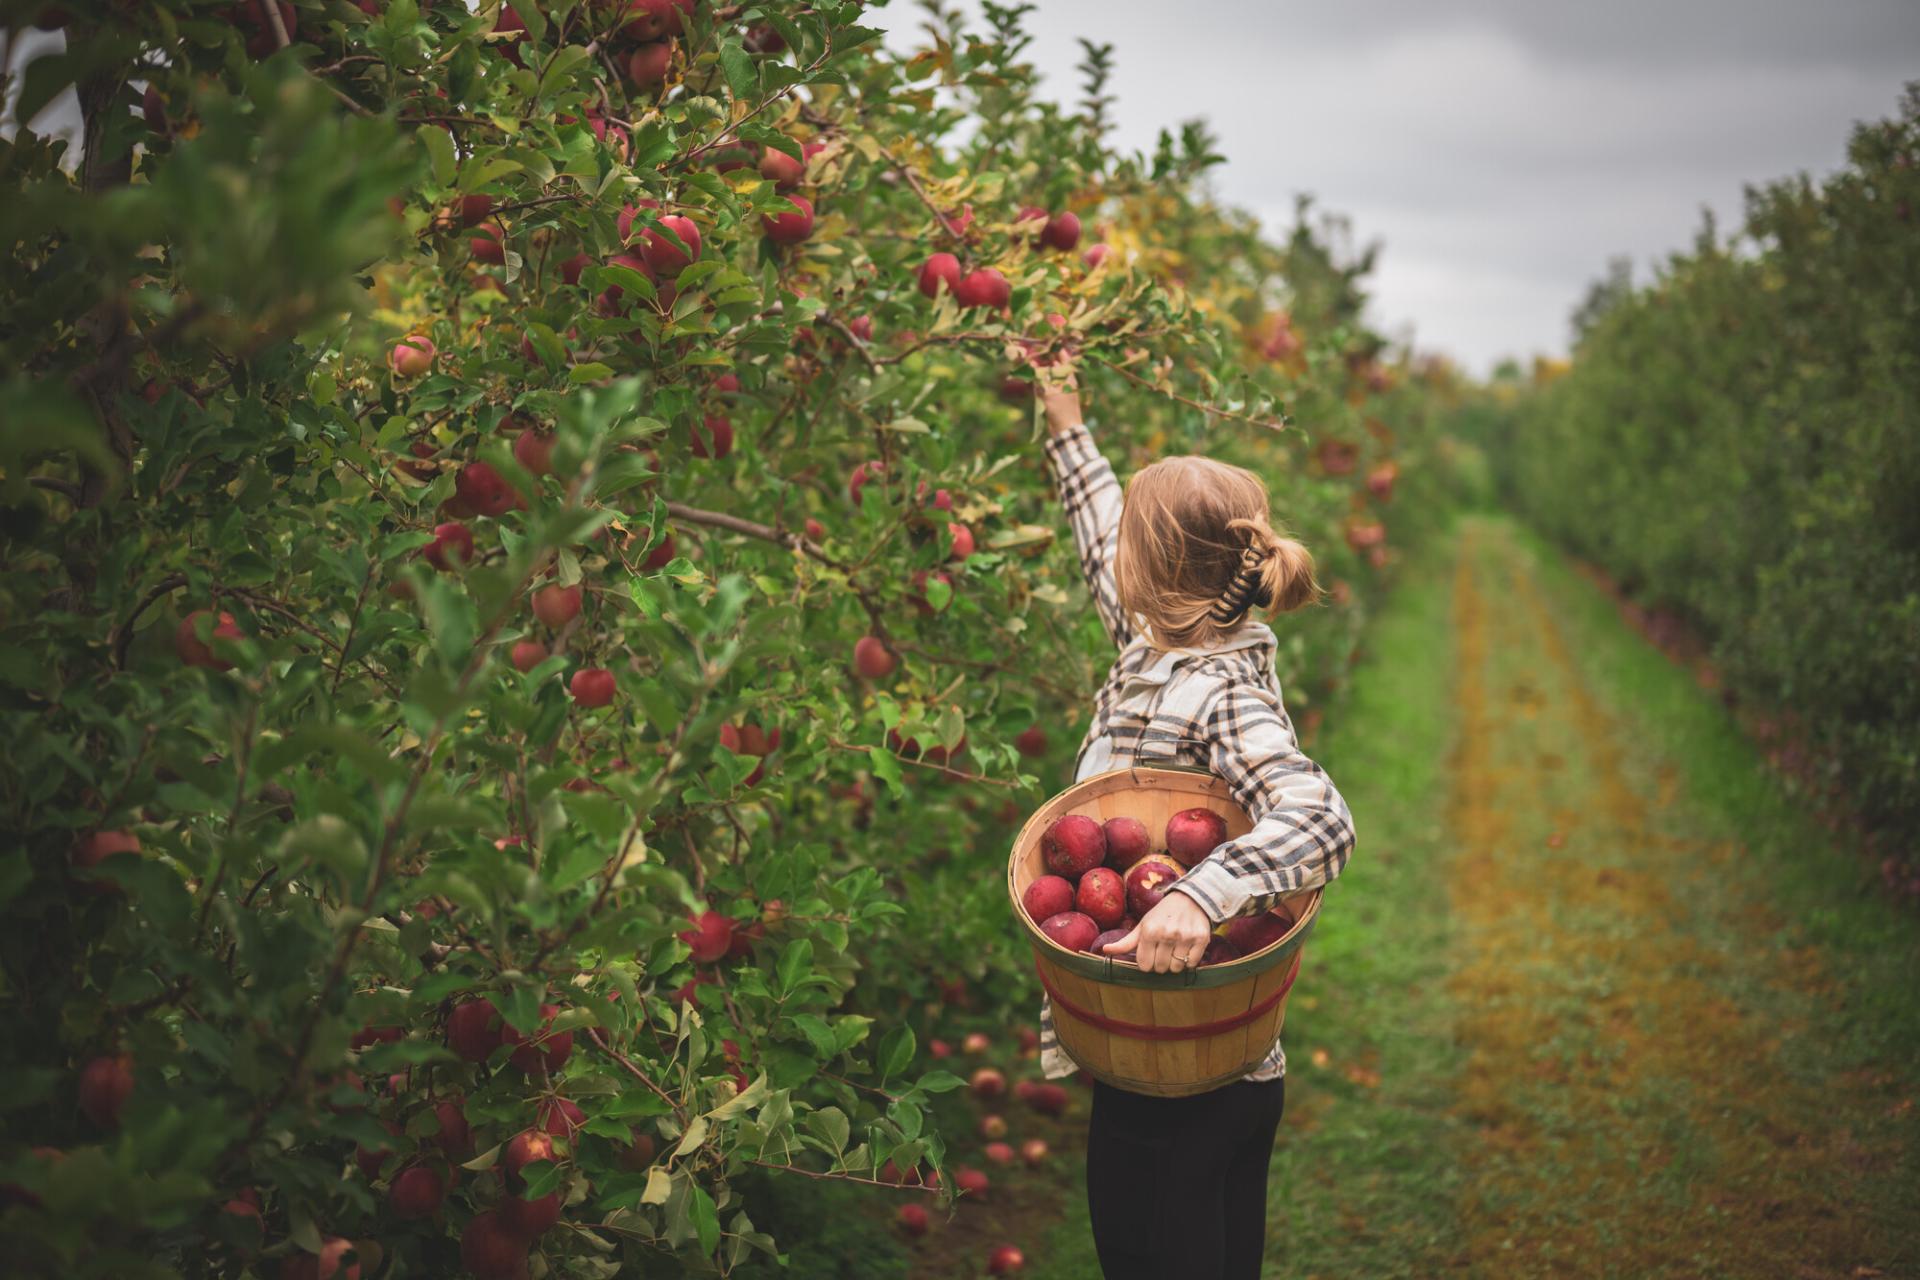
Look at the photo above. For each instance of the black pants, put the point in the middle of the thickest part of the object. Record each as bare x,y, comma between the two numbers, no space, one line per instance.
1177,1187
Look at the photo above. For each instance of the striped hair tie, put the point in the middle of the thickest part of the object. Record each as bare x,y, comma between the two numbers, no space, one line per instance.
1243,592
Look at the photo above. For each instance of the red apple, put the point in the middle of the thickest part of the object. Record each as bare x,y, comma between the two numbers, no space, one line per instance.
1070,929
962,540
993,1127
592,687
976,1042
529,1146
713,437
648,65
973,1182
1031,741
474,209
533,450
782,170
473,1030
527,654
1048,1099
1062,232
1098,947
1148,880
912,1219
556,605
561,1117
1005,1260
998,1152
451,548
529,1219
1047,896
1102,896
1127,842
1097,255
790,228
195,652
858,477
1073,845
987,1083
985,287
1192,834
665,258
94,849
1219,951
638,1153
919,580
485,490
544,1048
872,659
815,531
939,1048
660,557
1029,1039
710,937
416,1192
861,327
938,269
1256,933
491,1250
486,246
105,1085
455,1137
411,356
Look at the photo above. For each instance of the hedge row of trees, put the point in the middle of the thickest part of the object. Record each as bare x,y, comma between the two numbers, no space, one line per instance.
1739,440
531,605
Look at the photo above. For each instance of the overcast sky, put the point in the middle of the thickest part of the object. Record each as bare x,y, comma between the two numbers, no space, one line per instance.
1500,150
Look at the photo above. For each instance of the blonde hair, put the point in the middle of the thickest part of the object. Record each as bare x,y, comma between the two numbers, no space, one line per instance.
1188,527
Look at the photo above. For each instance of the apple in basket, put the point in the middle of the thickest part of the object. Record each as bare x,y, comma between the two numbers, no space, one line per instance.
1148,880
1127,842
1255,933
1047,896
1219,951
1071,930
1102,896
1100,944
1192,834
1073,845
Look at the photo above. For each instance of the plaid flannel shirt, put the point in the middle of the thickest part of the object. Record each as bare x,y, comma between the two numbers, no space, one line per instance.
1217,707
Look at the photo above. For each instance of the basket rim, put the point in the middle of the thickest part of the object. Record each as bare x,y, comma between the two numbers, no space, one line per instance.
1124,972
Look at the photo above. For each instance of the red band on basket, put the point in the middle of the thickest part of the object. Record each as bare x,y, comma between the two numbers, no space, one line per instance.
1198,1031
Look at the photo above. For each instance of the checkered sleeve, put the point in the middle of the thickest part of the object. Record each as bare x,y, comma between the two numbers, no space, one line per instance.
1091,496
1302,830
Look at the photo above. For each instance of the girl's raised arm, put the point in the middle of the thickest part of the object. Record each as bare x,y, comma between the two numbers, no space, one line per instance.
1091,496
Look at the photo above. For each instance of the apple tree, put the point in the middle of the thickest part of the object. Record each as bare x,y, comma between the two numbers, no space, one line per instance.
532,606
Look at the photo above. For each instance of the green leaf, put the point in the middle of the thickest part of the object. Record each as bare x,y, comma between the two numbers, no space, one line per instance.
692,1139
738,68
796,962
939,1082
830,1124
896,1051
439,145
706,1220
887,768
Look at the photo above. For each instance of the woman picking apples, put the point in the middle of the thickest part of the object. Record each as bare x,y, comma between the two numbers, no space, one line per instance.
1177,1186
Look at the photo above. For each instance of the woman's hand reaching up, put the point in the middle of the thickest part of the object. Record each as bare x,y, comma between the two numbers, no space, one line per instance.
1059,393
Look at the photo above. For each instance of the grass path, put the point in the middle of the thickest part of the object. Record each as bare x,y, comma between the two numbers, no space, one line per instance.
1592,999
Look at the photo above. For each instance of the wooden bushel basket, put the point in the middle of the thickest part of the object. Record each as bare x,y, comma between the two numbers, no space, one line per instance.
1166,1034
